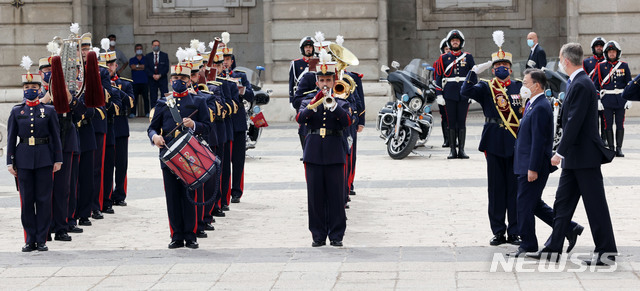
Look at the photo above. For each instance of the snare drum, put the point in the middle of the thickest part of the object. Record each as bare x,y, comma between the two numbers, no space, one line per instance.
190,160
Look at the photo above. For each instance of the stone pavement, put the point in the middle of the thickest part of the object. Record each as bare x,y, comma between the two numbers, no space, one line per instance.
415,224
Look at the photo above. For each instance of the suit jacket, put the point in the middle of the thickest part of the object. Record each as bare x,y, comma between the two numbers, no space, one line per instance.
163,65
581,145
535,138
537,59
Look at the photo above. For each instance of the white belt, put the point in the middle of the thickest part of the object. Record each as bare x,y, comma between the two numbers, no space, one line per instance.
456,79
614,91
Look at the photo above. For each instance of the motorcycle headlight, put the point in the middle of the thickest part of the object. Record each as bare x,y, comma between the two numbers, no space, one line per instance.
427,109
415,104
256,109
246,104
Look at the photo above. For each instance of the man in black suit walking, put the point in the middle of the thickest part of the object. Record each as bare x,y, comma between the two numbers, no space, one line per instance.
157,67
537,57
581,153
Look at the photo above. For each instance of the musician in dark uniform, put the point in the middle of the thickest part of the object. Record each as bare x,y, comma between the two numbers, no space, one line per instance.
537,57
589,65
444,49
357,127
109,58
501,105
182,213
121,131
452,69
238,147
99,122
324,158
34,152
610,79
298,68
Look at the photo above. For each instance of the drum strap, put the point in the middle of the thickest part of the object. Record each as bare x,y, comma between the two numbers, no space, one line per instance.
174,112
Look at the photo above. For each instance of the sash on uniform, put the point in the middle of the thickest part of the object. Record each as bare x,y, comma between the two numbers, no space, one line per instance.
503,106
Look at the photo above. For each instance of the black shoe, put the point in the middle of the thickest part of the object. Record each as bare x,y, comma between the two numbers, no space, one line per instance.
97,214
352,192
518,253
201,234
348,199
75,229
84,221
514,239
108,210
336,243
176,244
42,247
235,199
209,226
346,206
49,237
218,213
224,207
619,139
597,261
192,244
119,203
572,237
498,239
63,236
301,159
546,254
318,243
462,136
29,247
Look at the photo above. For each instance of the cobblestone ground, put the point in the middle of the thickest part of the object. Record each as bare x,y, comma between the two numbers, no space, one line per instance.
415,224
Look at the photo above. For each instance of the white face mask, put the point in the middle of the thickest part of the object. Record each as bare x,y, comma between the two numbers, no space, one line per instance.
525,93
112,43
562,68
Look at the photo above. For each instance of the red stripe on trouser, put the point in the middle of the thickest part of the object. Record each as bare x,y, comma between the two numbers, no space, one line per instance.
230,171
242,181
66,219
447,113
352,175
75,195
101,198
164,187
20,194
125,185
195,227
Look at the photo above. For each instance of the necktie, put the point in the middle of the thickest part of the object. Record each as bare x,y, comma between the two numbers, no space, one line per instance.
526,107
568,83
155,62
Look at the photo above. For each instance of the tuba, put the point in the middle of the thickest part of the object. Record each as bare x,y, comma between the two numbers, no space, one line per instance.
344,57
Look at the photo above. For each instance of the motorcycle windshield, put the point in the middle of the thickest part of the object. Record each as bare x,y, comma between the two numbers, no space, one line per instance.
417,73
251,75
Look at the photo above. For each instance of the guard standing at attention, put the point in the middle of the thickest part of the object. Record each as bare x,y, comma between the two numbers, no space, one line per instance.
444,49
589,65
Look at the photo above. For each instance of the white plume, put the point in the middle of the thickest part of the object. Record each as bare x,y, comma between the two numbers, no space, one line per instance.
225,37
201,48
339,39
26,63
324,57
191,52
104,43
53,47
181,54
96,50
75,28
194,44
319,36
211,44
498,37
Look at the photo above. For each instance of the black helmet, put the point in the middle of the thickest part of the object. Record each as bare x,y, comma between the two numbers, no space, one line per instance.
305,41
598,40
455,34
612,45
443,44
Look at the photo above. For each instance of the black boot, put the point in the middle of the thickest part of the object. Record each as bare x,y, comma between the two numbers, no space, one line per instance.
462,134
610,139
603,131
445,135
619,138
452,141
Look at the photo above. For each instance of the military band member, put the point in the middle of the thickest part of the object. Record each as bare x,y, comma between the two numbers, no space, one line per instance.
121,131
109,58
298,68
324,158
444,49
589,65
223,125
452,69
182,213
34,152
610,78
537,57
501,105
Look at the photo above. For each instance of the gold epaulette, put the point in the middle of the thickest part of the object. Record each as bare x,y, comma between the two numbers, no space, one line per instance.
518,80
117,109
131,101
309,92
484,80
202,87
211,116
101,113
129,80
153,110
237,70
216,83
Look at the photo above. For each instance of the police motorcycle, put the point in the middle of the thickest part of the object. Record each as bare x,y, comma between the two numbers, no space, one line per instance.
556,83
252,109
406,122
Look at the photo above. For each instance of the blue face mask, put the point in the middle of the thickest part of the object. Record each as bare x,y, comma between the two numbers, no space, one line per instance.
31,94
502,72
179,86
530,42
47,77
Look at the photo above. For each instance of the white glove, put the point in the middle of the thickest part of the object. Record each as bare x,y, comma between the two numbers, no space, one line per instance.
478,69
333,106
291,105
440,100
627,105
600,106
471,101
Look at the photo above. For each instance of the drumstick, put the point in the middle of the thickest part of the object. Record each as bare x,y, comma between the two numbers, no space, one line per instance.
181,123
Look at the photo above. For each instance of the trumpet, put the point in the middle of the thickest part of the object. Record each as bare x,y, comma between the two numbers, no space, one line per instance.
319,98
341,89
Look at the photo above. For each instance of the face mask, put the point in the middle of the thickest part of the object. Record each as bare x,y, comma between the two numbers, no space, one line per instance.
562,68
179,86
502,72
530,42
31,94
112,43
138,52
47,77
525,93
156,48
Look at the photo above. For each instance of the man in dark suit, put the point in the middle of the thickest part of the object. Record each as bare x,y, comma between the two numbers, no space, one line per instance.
532,151
537,57
581,153
157,67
